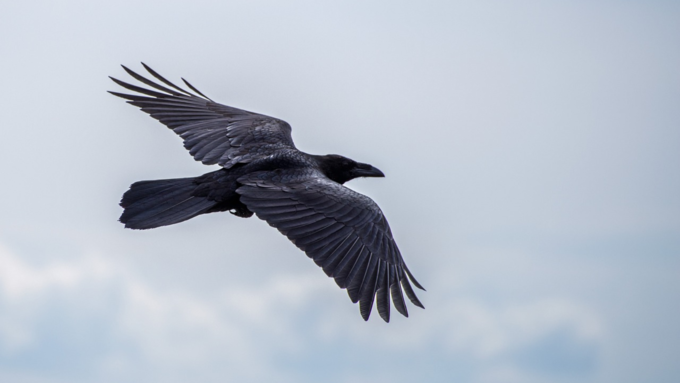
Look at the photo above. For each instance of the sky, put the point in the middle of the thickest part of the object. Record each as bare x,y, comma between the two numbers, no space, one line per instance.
531,151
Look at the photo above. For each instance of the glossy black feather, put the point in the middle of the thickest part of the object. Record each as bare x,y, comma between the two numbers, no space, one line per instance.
163,80
300,194
383,292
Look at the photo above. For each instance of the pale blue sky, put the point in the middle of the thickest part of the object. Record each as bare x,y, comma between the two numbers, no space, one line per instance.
531,153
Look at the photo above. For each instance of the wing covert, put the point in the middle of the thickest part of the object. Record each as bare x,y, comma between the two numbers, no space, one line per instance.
213,133
343,231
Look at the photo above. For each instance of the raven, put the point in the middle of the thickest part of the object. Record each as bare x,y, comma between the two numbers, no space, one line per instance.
262,172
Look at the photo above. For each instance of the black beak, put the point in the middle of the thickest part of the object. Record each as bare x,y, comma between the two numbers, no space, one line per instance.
366,170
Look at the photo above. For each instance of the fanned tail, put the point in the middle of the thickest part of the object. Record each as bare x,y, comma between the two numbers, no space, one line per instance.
150,204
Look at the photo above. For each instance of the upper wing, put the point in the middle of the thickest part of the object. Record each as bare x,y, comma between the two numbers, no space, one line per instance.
213,133
343,231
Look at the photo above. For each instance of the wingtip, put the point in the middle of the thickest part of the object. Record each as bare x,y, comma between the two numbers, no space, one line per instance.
398,299
365,316
194,89
413,280
117,81
384,312
128,70
410,293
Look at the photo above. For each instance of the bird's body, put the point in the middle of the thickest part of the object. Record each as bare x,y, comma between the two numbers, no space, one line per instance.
300,194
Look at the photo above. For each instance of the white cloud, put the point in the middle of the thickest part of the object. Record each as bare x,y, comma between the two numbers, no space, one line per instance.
246,331
489,332
18,280
174,329
24,289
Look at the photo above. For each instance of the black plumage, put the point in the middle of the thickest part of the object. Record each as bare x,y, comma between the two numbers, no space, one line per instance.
300,194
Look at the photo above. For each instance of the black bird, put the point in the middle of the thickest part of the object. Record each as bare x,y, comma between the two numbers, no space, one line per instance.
300,194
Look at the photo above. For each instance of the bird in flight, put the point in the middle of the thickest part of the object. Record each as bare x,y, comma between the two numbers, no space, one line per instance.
262,172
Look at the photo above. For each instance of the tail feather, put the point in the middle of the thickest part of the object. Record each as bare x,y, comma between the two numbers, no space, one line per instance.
150,204
142,189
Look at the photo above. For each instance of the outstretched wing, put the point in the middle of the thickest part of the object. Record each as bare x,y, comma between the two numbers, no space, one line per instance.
343,231
213,133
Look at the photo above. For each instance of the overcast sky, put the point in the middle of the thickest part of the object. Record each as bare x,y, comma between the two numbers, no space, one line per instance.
533,185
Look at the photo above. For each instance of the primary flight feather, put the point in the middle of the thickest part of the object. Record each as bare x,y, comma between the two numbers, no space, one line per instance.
300,194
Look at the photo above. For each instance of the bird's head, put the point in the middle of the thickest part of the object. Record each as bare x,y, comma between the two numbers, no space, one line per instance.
342,169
